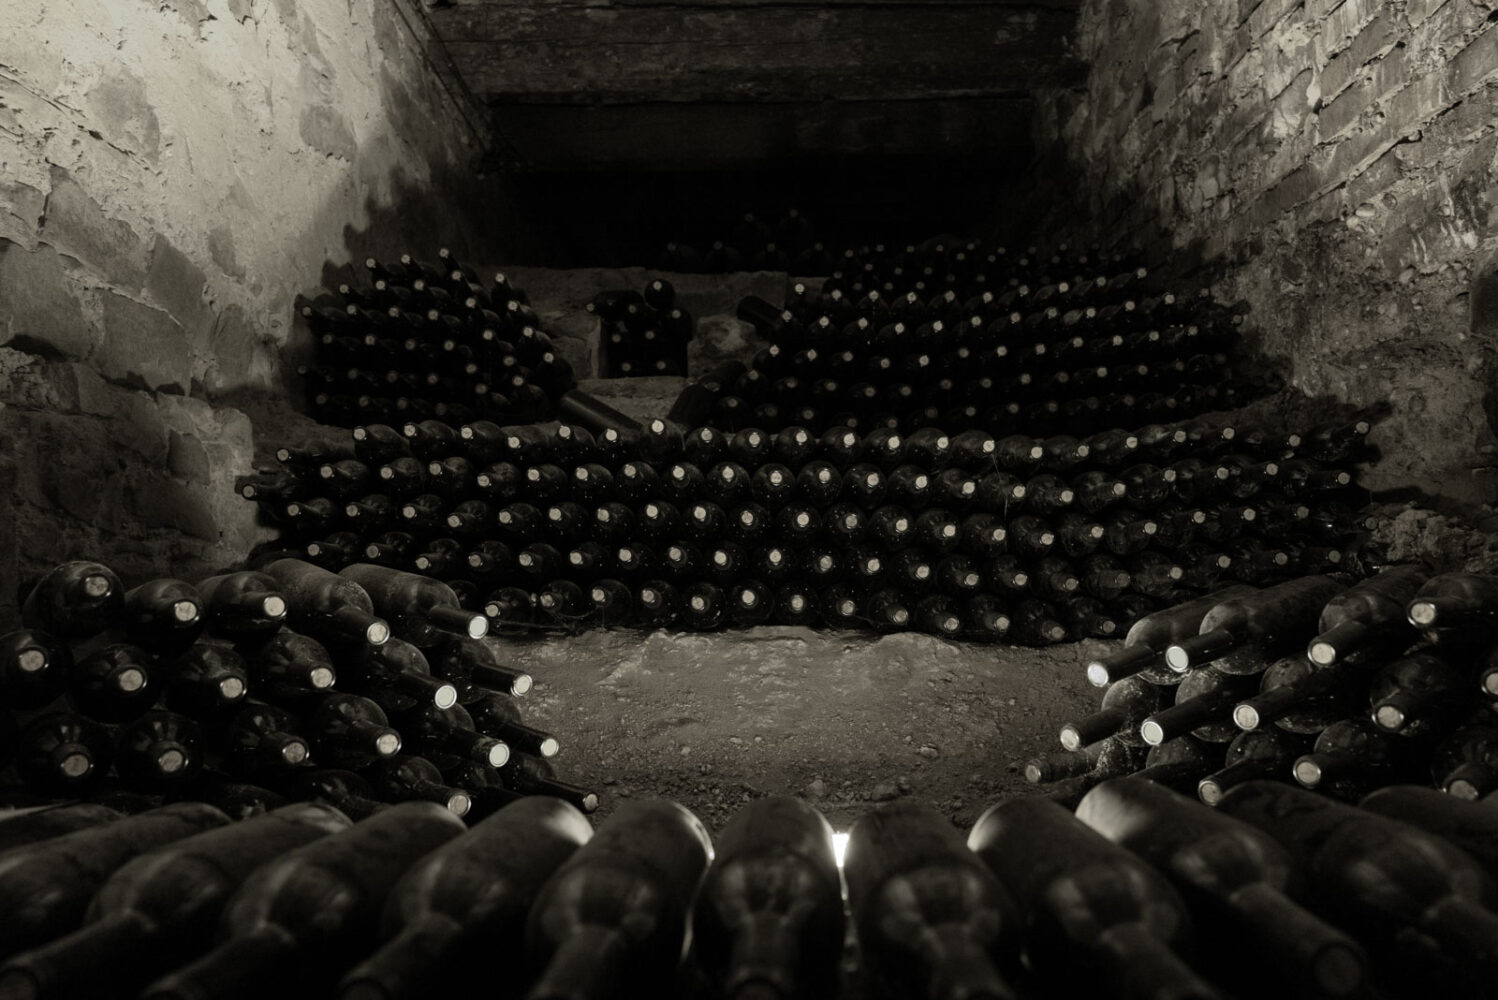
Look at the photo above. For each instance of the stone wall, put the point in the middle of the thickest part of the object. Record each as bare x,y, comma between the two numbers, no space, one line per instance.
173,175
1332,162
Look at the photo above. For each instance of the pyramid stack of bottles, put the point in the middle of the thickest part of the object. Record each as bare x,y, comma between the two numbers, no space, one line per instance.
1338,686
1141,892
257,687
429,340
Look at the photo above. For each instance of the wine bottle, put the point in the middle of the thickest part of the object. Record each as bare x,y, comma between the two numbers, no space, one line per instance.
1383,881
243,606
311,908
1098,915
408,778
160,905
34,668
769,914
159,751
1296,696
419,609
326,604
47,886
113,681
1354,756
1257,753
1418,696
290,668
74,600
1242,635
475,669
1148,638
932,920
619,904
476,887
1454,600
1240,884
1203,707
163,615
1470,826
1126,704
63,754
350,731
397,677
1366,612
1466,763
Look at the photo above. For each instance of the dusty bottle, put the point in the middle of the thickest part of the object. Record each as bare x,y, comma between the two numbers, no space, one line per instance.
63,753
74,600
290,668
161,905
497,715
932,920
395,676
475,669
619,905
408,778
310,909
1364,613
1454,600
34,668
1381,880
159,751
350,731
1203,707
1242,635
263,742
1466,763
769,913
1258,753
1419,695
46,887
1126,704
1144,647
418,608
1239,882
477,887
41,824
1098,916
206,680
163,615
1471,826
324,603
113,682
1354,756
1297,696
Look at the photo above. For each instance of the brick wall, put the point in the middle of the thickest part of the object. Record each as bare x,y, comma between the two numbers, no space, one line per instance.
172,176
1333,163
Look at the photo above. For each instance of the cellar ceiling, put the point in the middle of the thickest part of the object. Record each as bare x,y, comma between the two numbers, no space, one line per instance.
710,84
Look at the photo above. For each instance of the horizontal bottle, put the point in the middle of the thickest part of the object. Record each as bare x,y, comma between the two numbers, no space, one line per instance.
1238,634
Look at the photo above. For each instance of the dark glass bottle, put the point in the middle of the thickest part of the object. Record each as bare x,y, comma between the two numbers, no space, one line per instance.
63,754
620,904
1204,702
323,603
243,606
1098,913
34,668
418,608
312,900
933,921
74,600
113,682
1244,634
351,731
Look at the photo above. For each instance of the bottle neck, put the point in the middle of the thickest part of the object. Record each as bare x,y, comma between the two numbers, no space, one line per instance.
585,966
1141,965
1196,650
406,963
1339,640
1301,946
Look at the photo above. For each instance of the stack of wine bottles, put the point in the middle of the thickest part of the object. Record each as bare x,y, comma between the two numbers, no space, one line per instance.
1141,893
789,244
642,333
1016,538
430,340
1340,687
255,687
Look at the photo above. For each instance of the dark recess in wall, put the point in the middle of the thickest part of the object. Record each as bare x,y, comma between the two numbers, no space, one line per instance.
625,218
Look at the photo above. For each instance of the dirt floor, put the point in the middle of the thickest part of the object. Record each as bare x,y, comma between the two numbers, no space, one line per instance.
842,719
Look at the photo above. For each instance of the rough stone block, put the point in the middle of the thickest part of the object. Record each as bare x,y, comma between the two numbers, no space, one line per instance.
328,132
77,226
1342,24
231,352
160,502
1475,64
1373,41
1410,109
119,101
1268,14
1384,172
144,343
176,283
40,305
221,249
21,208
1416,11
187,458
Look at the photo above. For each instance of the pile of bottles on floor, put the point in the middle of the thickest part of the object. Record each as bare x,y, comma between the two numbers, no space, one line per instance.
254,688
641,333
1142,892
430,340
